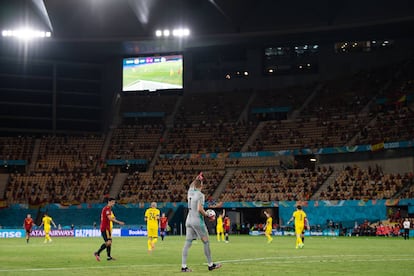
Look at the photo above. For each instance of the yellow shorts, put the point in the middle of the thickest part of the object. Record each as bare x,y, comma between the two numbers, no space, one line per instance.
153,232
299,229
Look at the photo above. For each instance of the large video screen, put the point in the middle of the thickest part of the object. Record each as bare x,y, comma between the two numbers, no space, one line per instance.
152,73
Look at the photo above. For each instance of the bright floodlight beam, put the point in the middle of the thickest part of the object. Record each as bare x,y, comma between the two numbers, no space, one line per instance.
142,9
220,10
40,6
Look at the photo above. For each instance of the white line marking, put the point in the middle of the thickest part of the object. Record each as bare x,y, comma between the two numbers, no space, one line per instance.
267,260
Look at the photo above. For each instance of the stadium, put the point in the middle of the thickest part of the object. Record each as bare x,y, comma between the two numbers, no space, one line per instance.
277,104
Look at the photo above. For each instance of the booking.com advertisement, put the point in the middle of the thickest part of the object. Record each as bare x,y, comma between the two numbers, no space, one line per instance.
79,233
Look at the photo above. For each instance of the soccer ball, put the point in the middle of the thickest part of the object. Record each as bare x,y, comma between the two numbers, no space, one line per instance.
211,214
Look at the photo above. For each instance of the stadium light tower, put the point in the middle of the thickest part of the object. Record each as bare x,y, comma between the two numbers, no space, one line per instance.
181,32
29,30
26,34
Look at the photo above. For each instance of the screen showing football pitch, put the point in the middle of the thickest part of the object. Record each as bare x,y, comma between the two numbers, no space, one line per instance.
152,73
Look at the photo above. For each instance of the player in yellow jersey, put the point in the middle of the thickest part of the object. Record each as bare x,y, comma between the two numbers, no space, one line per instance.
152,217
299,216
219,226
268,227
46,221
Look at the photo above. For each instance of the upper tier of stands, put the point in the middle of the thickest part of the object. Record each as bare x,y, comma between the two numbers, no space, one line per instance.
356,183
69,153
272,183
224,137
135,141
16,148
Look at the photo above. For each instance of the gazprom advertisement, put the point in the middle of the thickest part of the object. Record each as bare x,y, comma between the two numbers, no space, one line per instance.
85,233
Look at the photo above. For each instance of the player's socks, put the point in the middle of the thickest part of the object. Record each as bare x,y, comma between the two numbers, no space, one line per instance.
108,251
207,251
103,246
187,246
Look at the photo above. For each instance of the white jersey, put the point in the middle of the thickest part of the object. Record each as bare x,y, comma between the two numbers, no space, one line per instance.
406,224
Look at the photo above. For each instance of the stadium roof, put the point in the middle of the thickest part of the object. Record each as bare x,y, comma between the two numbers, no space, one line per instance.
104,28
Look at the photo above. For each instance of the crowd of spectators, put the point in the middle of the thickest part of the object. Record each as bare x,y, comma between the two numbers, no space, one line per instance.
347,95
66,188
207,138
384,228
165,186
389,126
16,148
273,183
63,154
135,141
189,164
307,133
354,183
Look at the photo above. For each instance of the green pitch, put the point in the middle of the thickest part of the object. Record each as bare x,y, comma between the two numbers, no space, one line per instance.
165,72
244,255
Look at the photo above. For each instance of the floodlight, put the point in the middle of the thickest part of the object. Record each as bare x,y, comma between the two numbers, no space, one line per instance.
25,33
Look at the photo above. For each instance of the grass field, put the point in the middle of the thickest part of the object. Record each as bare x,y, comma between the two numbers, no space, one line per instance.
244,255
164,72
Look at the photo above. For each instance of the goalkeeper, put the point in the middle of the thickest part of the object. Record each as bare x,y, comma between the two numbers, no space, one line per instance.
195,225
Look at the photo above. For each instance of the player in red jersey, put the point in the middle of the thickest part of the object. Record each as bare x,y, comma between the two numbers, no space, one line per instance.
227,224
28,223
163,225
106,231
